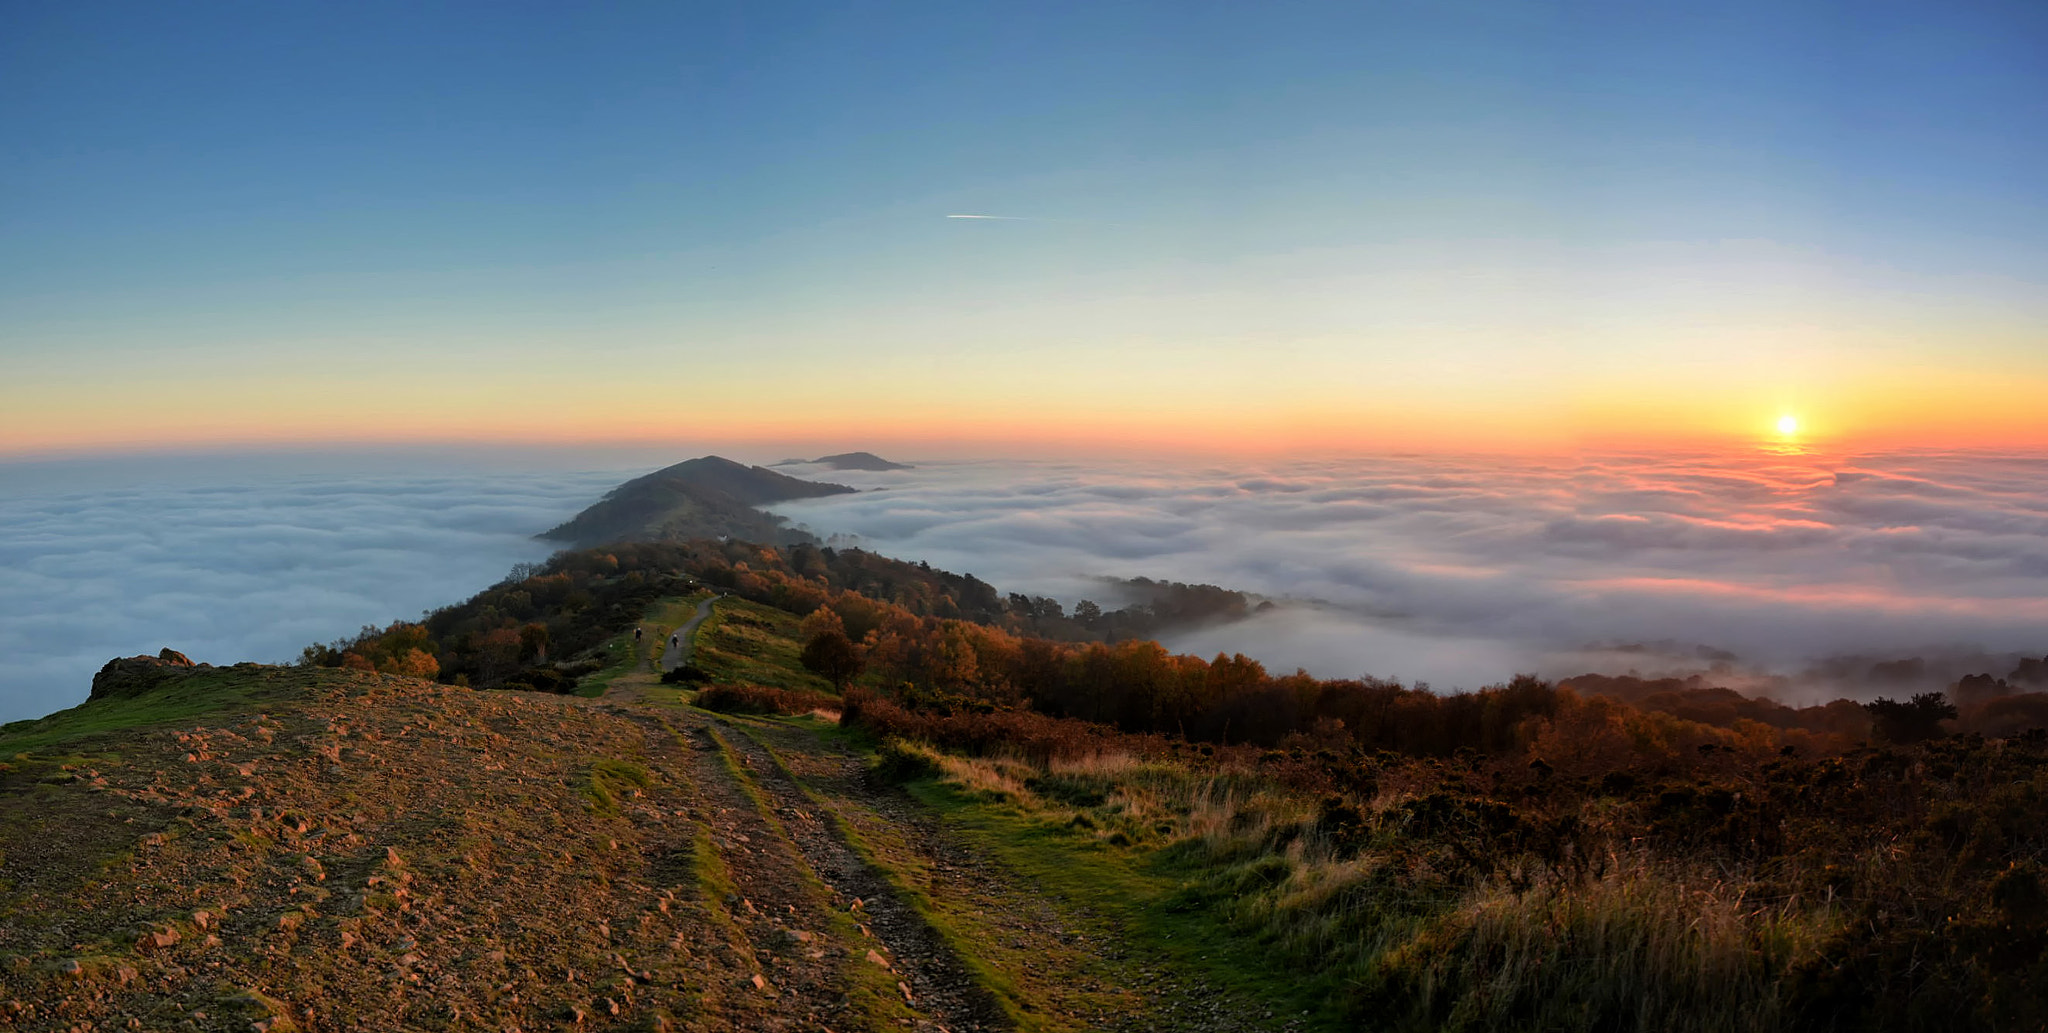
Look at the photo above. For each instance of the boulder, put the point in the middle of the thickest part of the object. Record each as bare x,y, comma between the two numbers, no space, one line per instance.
130,676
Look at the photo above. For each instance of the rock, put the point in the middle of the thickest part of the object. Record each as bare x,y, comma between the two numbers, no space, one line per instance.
174,658
130,676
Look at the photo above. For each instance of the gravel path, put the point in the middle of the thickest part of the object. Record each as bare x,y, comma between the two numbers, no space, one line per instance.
682,639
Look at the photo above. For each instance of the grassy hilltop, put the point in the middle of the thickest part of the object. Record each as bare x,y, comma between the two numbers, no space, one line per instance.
885,797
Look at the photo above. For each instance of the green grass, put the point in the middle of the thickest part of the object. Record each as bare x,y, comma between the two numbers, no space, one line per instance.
1140,893
223,690
609,779
747,643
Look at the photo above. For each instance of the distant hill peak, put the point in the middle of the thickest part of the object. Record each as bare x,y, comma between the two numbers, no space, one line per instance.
697,498
850,461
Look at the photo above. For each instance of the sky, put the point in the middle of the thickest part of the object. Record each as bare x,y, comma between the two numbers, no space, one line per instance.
1278,228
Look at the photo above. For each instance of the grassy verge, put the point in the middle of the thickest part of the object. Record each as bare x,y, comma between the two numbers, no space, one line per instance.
1139,891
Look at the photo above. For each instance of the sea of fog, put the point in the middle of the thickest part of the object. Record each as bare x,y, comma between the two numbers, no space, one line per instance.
1804,575
230,558
1797,573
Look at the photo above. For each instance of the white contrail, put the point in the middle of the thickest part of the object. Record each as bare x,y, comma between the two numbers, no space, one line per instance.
1001,218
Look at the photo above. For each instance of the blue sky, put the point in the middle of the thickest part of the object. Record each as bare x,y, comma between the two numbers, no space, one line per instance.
238,200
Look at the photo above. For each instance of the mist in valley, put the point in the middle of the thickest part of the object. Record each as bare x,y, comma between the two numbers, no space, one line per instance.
1798,576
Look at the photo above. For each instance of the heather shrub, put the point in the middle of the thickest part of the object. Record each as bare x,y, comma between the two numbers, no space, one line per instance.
758,699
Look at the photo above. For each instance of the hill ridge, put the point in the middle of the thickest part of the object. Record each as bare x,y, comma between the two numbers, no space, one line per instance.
707,497
850,461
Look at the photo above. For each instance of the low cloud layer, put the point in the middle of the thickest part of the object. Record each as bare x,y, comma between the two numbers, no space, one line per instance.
1779,570
1463,571
243,561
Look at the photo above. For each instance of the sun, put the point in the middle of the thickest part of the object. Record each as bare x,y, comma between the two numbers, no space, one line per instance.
1788,425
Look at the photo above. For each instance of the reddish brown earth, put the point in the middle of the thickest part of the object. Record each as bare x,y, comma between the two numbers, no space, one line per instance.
367,852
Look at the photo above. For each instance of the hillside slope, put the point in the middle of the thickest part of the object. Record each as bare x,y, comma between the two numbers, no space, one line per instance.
369,852
279,848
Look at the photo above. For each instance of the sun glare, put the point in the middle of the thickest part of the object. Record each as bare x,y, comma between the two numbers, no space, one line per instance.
1788,425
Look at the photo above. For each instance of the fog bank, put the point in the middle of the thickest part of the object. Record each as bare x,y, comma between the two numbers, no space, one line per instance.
1461,571
247,558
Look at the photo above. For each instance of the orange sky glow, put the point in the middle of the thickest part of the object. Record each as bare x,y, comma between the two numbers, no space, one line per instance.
1949,412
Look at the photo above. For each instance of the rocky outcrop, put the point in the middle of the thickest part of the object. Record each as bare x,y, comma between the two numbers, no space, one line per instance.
130,676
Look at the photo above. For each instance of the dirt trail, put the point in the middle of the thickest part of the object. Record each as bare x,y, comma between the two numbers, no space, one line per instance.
937,979
683,639
778,919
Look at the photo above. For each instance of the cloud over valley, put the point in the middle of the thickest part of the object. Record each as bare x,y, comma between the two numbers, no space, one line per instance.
1805,575
232,561
1460,571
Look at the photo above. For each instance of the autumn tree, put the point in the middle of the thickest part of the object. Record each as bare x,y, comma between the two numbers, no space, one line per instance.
827,651
414,663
